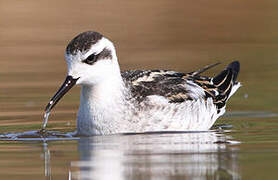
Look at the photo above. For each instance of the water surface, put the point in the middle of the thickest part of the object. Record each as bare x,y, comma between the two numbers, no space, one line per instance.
141,156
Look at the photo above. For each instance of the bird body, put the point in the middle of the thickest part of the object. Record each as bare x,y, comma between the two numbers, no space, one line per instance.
138,101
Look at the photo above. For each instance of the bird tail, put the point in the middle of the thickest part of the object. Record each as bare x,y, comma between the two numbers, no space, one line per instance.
226,83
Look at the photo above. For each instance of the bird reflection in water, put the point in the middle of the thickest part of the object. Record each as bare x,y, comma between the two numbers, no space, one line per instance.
156,156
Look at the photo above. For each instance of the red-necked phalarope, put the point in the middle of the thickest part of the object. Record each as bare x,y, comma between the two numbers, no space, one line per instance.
139,100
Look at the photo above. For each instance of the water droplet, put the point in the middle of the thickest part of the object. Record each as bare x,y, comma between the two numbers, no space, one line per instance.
245,96
45,120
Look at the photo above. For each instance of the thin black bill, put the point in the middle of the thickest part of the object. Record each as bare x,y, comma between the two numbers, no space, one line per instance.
66,86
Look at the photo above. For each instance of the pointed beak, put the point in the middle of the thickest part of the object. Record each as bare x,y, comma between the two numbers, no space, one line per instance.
66,86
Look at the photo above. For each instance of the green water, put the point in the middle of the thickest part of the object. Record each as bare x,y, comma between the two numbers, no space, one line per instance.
182,36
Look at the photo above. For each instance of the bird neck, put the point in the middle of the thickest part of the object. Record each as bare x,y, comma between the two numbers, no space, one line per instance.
98,104
103,92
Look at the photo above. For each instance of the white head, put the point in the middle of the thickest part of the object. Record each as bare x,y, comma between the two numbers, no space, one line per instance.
91,59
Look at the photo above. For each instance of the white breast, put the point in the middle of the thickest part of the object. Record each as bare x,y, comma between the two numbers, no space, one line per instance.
97,116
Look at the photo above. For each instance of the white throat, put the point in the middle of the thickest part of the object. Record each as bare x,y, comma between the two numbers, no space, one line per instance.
98,103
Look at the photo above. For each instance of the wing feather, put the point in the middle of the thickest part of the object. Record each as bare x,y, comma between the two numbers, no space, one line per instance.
179,87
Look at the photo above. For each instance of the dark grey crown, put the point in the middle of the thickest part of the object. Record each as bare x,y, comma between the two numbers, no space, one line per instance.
83,42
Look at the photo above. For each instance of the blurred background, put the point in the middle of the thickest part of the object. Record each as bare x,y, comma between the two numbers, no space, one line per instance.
178,35
161,34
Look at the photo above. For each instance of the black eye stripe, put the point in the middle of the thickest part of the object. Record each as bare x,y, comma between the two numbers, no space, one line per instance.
90,59
104,54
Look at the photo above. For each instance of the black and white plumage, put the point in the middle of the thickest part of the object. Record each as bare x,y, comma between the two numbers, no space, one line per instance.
179,87
140,100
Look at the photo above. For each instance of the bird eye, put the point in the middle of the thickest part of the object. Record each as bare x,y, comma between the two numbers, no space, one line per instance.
90,59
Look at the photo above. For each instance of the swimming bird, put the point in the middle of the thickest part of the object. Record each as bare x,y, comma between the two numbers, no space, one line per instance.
138,101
